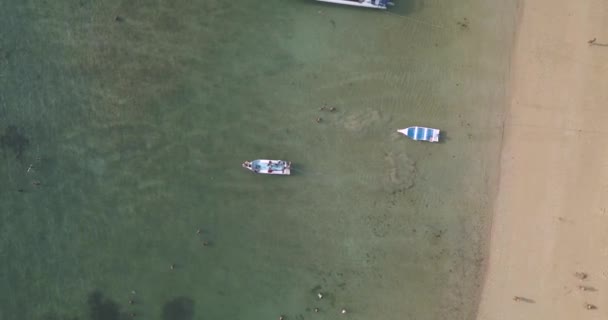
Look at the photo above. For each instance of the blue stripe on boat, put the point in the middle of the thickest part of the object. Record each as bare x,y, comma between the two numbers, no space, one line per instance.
421,133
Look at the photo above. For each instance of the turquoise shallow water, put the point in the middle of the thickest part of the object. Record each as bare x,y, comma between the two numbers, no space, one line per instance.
135,129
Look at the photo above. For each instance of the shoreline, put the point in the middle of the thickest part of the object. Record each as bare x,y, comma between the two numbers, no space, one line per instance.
549,217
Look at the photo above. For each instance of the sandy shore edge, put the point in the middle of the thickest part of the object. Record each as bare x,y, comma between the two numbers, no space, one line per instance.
551,211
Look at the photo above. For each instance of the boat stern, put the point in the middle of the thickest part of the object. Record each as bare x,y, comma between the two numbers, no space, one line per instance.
385,3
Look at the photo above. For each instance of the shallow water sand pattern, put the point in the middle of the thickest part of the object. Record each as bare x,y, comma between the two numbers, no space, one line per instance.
400,173
137,128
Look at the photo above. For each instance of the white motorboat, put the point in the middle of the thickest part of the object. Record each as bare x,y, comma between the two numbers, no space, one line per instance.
264,166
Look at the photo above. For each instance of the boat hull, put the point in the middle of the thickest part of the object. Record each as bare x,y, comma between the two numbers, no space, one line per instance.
421,133
374,4
265,166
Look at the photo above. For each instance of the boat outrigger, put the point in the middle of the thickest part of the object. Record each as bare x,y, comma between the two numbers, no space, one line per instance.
421,133
375,4
264,166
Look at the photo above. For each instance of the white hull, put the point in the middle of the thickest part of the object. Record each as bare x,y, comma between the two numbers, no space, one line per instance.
265,166
377,4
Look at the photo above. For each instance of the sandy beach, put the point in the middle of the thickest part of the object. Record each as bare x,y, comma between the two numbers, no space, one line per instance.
551,211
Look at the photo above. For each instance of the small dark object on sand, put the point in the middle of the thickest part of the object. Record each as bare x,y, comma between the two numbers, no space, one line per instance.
586,288
119,19
592,41
581,275
590,306
522,299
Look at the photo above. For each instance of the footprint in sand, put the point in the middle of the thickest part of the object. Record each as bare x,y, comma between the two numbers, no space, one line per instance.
400,172
363,120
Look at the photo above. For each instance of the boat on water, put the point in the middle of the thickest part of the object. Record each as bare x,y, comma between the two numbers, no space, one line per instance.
421,133
264,166
375,4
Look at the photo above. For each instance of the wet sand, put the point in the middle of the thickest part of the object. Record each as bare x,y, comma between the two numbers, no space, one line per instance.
548,256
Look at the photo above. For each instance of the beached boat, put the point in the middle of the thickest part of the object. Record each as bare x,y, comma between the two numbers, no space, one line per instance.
263,166
375,4
421,133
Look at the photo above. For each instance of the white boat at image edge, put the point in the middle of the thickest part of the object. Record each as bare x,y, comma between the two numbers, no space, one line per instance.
375,4
421,133
264,166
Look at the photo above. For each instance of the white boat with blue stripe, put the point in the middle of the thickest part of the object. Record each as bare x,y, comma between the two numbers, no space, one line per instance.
264,166
421,133
375,4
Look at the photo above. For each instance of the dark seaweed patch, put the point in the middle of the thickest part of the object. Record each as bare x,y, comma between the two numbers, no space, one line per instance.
180,308
101,308
13,140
